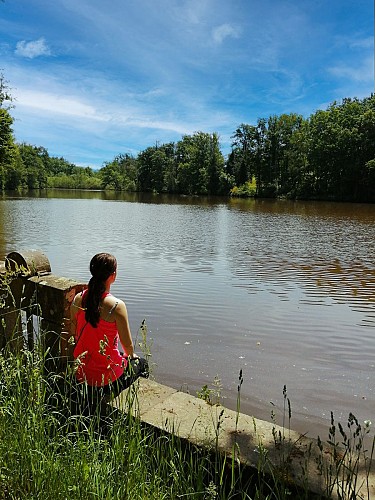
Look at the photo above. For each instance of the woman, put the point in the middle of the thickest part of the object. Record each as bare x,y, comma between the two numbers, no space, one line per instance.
99,321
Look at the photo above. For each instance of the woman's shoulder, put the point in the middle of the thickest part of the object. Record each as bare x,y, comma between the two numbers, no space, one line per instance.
110,300
111,307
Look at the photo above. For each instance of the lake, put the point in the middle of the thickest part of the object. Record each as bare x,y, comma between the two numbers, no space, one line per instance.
284,291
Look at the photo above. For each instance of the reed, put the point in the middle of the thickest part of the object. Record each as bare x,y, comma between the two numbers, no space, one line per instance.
347,453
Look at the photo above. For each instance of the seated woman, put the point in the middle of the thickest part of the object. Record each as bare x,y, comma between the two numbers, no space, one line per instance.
99,321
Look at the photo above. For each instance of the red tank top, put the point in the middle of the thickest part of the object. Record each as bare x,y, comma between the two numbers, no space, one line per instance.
100,361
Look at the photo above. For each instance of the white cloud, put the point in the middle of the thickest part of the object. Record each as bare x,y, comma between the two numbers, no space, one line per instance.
32,49
363,71
65,108
191,11
364,43
223,31
56,104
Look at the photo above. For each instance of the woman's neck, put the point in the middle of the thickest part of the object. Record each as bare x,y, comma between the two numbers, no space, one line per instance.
108,284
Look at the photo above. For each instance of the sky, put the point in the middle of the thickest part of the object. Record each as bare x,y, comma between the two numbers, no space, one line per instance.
93,79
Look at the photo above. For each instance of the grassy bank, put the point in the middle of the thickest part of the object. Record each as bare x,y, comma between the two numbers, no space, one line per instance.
54,446
51,446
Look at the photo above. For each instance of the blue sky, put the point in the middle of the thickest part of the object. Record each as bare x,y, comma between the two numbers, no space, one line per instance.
93,79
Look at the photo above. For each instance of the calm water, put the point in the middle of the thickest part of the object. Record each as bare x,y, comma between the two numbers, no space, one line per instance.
282,290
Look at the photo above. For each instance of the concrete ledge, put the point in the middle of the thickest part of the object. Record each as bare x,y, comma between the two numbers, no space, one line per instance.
204,425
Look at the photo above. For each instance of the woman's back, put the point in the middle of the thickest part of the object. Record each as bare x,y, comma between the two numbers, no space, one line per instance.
97,348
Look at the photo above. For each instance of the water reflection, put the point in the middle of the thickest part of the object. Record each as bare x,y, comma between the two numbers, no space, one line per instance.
327,250
321,209
153,198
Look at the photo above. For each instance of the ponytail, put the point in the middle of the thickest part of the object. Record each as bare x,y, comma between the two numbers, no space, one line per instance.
102,266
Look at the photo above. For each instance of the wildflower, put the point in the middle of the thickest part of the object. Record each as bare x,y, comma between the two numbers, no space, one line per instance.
78,361
103,344
78,358
71,340
211,491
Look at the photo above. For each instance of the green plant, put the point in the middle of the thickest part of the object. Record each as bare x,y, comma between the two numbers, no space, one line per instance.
144,344
246,190
341,462
211,395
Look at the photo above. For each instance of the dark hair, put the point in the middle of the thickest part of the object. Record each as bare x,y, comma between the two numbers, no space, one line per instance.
102,265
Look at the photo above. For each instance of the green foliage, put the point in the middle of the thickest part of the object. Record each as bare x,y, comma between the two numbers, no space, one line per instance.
120,174
57,166
327,156
155,166
11,169
341,144
53,447
35,171
211,395
200,164
195,165
247,190
247,146
74,181
341,462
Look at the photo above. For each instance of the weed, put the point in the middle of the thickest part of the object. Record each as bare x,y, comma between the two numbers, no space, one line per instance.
341,462
211,395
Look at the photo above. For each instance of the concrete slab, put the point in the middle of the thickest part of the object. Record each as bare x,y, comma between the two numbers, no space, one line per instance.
248,438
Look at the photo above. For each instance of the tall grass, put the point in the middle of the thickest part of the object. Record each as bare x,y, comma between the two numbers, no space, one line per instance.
52,448
348,456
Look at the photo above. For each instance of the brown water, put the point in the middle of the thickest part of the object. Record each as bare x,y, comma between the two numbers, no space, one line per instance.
283,290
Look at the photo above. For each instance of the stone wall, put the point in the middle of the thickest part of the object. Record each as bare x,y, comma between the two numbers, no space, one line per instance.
35,306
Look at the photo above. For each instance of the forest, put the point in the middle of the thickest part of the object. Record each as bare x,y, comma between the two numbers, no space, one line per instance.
327,156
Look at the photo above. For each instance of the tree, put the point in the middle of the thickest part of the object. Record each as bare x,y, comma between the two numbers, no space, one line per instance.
11,168
200,164
35,172
242,158
342,141
216,181
5,93
119,174
247,159
170,167
279,138
299,181
110,177
151,165
126,166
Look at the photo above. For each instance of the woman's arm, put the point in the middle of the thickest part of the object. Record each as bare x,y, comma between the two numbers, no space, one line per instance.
74,306
122,323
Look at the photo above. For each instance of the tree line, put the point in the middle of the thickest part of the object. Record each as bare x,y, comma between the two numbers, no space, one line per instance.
330,156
